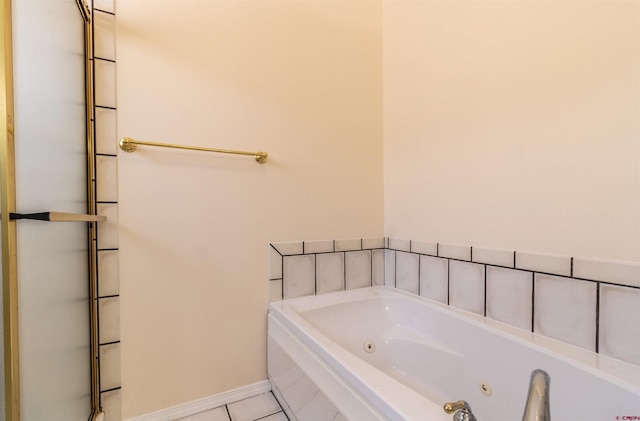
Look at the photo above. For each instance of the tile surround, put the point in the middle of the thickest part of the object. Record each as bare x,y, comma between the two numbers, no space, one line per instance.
103,117
466,286
598,309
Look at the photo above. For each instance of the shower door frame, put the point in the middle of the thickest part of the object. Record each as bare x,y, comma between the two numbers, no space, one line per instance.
8,226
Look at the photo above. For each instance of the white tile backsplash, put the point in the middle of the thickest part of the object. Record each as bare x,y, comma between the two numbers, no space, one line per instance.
109,313
377,267
557,265
493,256
298,277
111,405
601,270
275,290
398,244
373,243
104,45
289,248
105,83
565,309
106,5
109,366
454,251
509,296
275,264
108,281
106,178
358,269
106,136
390,268
329,272
466,286
434,276
531,296
108,230
322,246
349,244
407,271
424,248
619,333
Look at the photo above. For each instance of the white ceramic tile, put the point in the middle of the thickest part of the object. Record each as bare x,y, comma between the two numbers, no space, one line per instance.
454,251
547,263
299,276
466,286
407,276
565,309
275,264
275,290
358,269
289,248
106,179
108,230
106,137
349,244
386,242
109,315
434,276
216,414
253,408
109,366
424,248
625,273
620,323
373,243
493,256
111,405
377,267
280,416
329,272
106,5
390,268
108,281
396,244
104,45
324,246
509,296
105,83
340,417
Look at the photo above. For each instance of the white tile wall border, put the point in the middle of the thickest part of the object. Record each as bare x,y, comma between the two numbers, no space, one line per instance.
529,291
103,118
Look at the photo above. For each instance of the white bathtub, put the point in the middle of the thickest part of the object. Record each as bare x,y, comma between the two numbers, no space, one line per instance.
424,354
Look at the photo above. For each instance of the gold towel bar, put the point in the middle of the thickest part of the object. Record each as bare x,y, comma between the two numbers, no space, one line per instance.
129,145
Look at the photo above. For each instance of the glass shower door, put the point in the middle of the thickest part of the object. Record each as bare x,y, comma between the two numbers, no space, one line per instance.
51,175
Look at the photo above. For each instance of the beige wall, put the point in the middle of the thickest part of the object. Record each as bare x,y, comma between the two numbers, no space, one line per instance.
514,124
301,80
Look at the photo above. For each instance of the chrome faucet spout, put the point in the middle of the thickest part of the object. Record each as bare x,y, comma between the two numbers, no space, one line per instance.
537,407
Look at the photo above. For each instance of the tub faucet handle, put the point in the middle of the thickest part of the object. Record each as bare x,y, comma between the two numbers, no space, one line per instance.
462,411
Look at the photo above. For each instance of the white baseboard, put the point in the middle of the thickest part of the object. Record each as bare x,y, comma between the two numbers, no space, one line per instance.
204,404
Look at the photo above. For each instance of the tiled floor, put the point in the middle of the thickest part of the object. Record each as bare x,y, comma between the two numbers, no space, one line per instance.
262,407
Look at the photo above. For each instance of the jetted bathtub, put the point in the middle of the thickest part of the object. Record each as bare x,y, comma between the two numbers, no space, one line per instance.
382,354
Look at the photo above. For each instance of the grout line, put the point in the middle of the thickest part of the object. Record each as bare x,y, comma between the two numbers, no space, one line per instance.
448,280
104,11
533,299
111,390
597,317
485,291
228,413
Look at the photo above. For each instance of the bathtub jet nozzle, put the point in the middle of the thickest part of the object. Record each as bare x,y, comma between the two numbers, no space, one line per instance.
462,411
